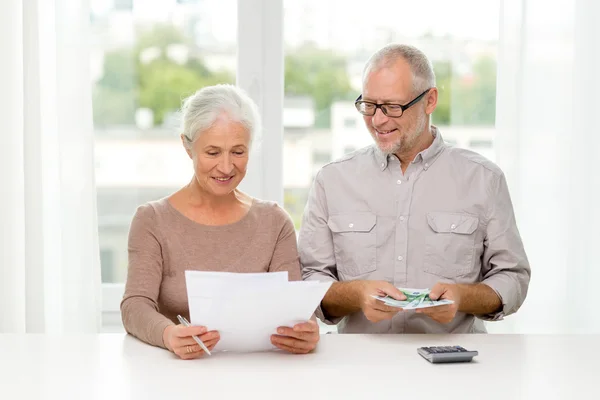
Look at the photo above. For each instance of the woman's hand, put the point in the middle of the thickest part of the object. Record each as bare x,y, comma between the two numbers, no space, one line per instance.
300,339
179,340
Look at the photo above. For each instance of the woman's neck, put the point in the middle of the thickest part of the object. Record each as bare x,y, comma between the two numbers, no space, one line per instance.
200,198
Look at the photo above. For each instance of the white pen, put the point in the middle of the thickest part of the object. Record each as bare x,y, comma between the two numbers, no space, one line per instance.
196,338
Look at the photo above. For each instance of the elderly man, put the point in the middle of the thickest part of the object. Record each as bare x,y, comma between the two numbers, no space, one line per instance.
412,212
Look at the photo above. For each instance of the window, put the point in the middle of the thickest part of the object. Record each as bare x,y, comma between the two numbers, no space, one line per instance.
480,144
107,259
485,147
328,43
146,57
350,123
321,157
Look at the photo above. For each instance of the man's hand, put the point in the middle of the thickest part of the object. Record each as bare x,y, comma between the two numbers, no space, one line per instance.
374,309
443,314
300,339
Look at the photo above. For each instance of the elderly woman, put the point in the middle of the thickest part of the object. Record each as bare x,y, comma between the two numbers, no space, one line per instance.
207,225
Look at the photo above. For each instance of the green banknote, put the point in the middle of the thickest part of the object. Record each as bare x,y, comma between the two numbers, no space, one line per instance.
415,298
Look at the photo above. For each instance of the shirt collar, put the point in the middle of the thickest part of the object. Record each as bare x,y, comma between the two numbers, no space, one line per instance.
427,156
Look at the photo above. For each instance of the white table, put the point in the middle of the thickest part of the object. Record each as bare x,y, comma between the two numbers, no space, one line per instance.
117,366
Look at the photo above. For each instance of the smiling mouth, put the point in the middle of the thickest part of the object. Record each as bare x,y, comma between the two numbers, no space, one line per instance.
384,133
223,179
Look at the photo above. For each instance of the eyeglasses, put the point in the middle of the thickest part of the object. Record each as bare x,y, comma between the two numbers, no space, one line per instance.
390,110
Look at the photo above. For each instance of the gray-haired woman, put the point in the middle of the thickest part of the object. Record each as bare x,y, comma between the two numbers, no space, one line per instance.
207,225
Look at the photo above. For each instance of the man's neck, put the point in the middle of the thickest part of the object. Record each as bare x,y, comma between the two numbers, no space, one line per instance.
406,157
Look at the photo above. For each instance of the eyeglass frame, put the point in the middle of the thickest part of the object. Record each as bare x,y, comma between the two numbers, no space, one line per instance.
403,107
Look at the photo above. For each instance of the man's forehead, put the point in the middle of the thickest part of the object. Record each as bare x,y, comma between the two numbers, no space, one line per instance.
388,83
387,93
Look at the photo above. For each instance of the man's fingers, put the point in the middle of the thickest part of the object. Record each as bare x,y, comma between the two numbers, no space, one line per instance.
435,310
388,289
386,309
440,309
437,291
381,306
376,316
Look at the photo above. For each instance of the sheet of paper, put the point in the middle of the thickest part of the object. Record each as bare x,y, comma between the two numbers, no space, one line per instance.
210,284
247,310
415,298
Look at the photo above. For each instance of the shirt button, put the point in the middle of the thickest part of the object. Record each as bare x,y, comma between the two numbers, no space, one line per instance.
401,218
398,181
452,226
382,165
352,226
400,258
426,165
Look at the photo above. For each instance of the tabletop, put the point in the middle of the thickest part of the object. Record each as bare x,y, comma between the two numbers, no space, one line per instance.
118,366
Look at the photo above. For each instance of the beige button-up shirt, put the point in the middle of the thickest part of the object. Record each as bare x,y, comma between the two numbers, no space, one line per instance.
448,218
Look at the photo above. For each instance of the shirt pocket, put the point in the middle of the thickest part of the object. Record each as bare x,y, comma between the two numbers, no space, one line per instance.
354,243
450,244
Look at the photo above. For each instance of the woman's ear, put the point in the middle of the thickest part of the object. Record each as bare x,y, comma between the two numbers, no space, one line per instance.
186,145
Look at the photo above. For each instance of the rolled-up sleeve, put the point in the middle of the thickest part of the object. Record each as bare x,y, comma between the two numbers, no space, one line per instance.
315,243
506,268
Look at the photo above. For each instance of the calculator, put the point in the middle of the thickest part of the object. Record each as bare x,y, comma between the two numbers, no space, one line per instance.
446,354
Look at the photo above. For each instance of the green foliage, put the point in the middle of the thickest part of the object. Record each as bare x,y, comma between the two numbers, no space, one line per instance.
443,74
293,206
160,84
469,99
320,74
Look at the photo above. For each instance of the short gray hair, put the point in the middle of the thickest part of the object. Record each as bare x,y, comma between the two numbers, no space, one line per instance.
200,110
421,67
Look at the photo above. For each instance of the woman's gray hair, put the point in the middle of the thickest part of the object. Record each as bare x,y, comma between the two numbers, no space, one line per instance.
200,110
421,67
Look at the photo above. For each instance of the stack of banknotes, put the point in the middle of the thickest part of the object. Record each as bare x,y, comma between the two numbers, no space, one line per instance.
415,298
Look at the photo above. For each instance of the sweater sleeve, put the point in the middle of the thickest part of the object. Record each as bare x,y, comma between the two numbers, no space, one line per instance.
139,307
285,256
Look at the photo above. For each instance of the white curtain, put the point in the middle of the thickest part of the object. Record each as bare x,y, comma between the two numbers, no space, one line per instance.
548,144
49,262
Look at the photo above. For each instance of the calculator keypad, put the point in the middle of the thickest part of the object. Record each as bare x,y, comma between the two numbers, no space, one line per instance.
445,349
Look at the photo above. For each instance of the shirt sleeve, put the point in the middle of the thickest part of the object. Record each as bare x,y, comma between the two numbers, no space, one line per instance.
315,243
506,268
139,307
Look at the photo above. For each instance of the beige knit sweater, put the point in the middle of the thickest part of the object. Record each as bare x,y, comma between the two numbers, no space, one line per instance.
163,243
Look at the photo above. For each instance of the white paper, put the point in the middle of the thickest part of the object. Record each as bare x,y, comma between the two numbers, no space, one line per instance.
246,309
